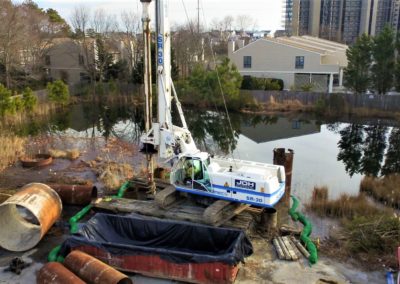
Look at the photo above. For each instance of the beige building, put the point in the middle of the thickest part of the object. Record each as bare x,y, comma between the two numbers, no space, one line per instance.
72,60
298,61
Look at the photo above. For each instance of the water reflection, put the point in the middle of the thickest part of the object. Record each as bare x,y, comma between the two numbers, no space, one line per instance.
363,147
367,149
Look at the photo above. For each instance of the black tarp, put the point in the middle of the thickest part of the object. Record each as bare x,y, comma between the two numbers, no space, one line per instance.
178,242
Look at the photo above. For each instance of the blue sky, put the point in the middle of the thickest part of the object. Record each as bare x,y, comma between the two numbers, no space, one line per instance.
267,13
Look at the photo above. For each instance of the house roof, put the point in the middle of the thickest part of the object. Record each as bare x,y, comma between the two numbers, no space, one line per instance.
309,43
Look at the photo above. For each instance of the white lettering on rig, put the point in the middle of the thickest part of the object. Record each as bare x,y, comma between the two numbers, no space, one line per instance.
160,47
245,184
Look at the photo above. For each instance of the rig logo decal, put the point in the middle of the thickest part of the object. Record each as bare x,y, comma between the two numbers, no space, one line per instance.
245,184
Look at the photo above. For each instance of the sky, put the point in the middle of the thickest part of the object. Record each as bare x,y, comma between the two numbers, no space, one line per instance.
266,13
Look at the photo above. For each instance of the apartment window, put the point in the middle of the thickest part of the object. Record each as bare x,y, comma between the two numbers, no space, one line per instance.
81,60
47,60
299,64
246,61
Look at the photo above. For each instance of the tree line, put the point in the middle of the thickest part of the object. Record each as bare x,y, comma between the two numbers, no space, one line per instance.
374,63
26,33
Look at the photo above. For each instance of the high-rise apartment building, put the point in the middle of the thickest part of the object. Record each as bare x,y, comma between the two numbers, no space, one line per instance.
340,20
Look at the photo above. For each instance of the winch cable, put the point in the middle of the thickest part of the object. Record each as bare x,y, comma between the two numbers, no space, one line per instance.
220,86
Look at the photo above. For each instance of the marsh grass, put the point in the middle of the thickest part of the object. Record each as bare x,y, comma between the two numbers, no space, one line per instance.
385,190
367,233
345,206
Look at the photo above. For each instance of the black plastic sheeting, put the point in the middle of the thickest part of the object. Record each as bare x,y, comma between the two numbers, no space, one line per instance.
178,242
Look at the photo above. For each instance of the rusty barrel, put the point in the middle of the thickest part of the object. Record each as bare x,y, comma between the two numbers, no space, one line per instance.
75,194
27,215
93,270
56,273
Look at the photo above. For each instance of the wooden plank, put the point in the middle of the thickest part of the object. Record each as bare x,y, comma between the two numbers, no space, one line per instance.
254,210
179,211
241,208
301,248
278,249
290,249
284,249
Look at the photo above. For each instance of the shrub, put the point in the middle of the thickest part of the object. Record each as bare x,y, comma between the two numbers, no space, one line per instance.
307,87
5,100
373,235
29,99
268,84
272,85
18,104
58,92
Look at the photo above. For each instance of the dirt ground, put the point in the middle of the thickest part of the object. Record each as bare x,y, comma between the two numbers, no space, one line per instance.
262,267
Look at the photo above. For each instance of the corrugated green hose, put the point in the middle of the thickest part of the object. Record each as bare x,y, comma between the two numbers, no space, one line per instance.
305,234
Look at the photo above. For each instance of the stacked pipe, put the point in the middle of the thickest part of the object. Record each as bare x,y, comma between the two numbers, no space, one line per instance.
79,267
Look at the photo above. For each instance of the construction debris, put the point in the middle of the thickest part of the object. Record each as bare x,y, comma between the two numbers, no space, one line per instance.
16,265
286,248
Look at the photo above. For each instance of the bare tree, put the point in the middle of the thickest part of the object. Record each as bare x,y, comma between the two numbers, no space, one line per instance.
244,22
11,37
103,23
131,25
80,20
227,23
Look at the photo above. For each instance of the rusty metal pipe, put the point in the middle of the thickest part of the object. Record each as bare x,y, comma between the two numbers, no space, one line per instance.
75,194
93,270
27,216
283,158
56,273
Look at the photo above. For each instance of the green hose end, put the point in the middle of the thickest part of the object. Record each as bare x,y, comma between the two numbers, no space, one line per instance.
52,257
74,228
123,188
60,259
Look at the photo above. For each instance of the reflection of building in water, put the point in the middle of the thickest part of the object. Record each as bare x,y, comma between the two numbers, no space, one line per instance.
282,129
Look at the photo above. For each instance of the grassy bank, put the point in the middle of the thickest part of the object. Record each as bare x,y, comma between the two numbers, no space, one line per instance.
385,190
367,233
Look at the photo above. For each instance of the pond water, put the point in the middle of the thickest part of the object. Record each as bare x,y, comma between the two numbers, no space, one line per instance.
336,154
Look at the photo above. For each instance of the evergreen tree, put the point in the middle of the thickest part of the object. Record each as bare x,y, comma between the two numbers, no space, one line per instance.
58,92
351,147
392,162
374,149
383,55
359,61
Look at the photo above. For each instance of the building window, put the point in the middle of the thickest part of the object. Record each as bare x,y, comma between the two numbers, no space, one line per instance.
246,61
299,62
81,60
47,60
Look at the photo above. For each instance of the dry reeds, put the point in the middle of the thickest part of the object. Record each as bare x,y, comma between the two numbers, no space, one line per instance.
344,207
385,190
72,154
286,105
12,147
